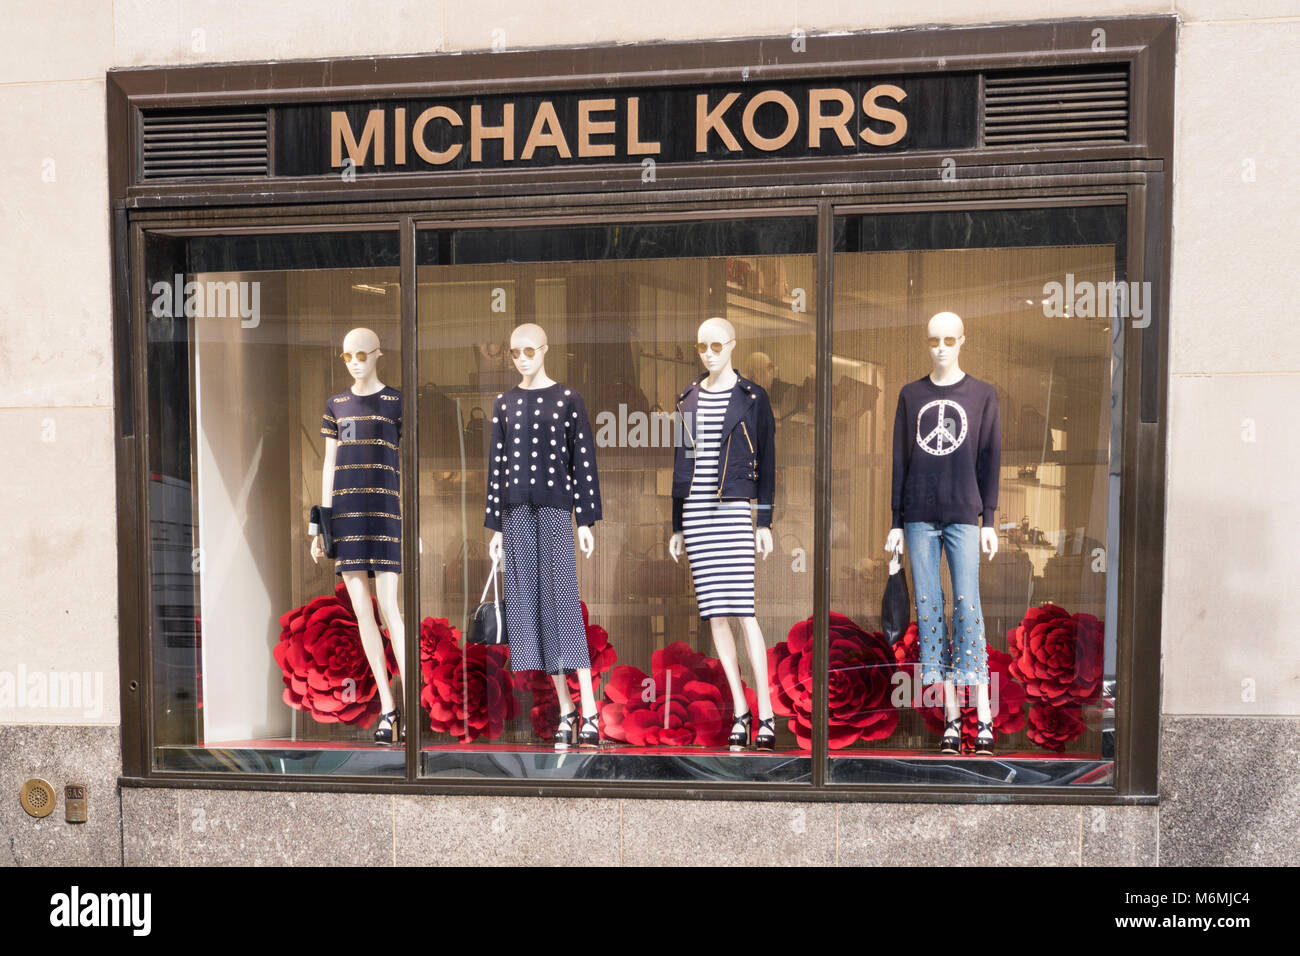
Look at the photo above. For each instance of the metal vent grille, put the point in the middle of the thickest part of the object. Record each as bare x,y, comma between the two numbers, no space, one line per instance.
1056,107
203,144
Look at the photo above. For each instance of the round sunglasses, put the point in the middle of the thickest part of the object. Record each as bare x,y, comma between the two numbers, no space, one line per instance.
948,340
717,347
361,355
528,351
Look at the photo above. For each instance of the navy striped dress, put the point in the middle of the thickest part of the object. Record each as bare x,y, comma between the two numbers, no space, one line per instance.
718,532
367,519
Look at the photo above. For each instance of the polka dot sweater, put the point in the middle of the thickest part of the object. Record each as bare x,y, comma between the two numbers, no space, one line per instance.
542,452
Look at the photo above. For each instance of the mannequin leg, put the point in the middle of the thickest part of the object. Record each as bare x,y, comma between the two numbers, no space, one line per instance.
390,613
584,691
758,661
725,645
371,640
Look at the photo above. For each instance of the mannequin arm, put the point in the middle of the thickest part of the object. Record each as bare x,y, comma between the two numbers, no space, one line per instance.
989,541
894,542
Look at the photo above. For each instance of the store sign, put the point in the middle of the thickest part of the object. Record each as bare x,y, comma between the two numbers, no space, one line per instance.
802,119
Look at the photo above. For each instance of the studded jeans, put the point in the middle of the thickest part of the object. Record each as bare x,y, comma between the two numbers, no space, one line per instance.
961,657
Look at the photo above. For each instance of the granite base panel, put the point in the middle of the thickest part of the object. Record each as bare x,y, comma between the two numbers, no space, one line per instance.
1229,790
61,754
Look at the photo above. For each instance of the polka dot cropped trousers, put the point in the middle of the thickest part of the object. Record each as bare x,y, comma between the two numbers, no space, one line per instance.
954,650
543,616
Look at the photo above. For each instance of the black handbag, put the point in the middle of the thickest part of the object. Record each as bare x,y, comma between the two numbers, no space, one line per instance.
896,605
476,432
487,625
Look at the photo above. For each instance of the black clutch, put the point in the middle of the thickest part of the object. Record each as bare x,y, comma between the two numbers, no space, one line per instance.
487,625
321,518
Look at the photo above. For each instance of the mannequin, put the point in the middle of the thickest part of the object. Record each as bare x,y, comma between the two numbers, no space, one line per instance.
541,476
947,452
727,458
361,510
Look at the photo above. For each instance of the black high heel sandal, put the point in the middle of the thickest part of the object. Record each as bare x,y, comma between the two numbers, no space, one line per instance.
589,735
565,732
765,736
984,739
950,743
740,729
390,728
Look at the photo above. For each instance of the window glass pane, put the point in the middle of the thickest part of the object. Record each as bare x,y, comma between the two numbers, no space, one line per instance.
258,658
621,307
1009,410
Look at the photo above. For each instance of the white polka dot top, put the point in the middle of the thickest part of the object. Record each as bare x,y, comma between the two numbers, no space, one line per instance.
542,452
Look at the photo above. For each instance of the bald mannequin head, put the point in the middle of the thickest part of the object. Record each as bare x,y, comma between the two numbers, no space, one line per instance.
525,338
358,343
719,331
945,335
758,368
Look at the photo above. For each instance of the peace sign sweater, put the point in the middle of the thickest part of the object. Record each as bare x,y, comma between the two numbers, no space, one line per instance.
947,452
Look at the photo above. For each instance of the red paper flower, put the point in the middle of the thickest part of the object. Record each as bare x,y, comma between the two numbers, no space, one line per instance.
545,712
1054,727
323,664
1057,656
684,701
861,666
469,692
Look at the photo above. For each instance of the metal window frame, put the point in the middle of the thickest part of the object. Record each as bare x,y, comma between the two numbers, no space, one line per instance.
1135,173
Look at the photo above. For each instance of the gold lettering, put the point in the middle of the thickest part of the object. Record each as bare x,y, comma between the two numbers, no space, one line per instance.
634,145
538,136
769,143
706,120
587,127
341,135
435,156
478,132
399,136
870,107
818,120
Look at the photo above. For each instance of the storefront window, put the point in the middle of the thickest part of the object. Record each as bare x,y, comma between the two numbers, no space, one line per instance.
1002,332
258,663
614,315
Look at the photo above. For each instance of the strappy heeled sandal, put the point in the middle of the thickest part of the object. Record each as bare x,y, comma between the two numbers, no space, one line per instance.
390,728
564,733
740,728
589,735
765,736
950,743
984,739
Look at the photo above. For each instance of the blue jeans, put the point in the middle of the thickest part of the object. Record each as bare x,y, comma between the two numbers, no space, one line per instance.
963,657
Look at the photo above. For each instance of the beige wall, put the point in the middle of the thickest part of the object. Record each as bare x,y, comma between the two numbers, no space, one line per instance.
1235,358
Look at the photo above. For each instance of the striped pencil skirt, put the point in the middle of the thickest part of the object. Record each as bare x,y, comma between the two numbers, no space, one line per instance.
719,539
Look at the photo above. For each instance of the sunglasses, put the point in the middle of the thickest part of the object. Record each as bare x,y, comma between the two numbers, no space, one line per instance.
528,352
361,355
948,340
716,346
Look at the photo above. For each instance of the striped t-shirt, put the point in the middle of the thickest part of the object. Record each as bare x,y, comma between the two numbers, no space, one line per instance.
709,413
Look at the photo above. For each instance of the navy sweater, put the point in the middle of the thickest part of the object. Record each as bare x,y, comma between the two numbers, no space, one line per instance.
542,453
947,452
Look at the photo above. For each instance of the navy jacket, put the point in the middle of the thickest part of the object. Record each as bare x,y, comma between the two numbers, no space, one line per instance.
747,468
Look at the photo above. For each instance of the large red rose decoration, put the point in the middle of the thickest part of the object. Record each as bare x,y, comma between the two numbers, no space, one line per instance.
1054,727
683,701
545,712
323,664
468,691
1058,656
861,668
